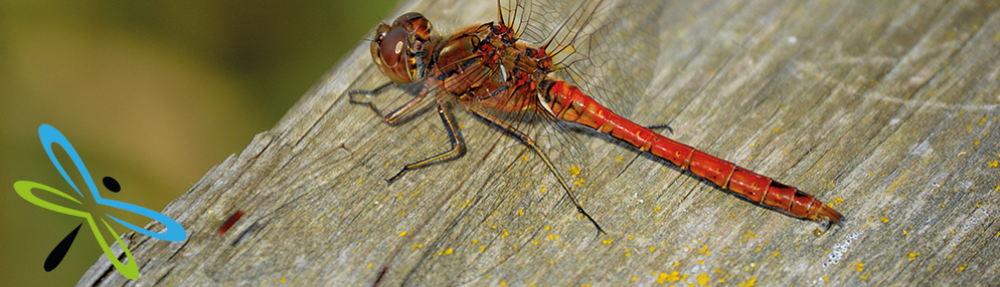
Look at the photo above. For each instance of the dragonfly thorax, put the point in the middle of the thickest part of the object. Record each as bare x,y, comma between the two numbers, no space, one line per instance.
487,63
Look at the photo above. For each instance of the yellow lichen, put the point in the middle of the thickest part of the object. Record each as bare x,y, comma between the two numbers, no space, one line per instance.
749,283
662,278
703,279
574,170
673,277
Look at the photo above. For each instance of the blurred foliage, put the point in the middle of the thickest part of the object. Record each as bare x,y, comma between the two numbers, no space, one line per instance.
152,93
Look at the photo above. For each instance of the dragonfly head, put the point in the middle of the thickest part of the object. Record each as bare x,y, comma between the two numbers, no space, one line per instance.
399,49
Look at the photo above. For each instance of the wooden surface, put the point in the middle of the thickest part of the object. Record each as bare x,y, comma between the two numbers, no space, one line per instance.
886,109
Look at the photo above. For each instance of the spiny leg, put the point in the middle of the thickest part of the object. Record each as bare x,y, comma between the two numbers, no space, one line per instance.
531,144
403,112
397,115
376,91
660,126
454,135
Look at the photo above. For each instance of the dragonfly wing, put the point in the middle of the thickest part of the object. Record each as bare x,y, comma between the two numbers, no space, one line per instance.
607,48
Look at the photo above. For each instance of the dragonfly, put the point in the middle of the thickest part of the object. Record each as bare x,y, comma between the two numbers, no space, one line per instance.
526,70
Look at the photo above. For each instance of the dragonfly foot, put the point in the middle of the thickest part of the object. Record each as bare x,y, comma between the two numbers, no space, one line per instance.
376,91
661,126
598,226
395,177
355,92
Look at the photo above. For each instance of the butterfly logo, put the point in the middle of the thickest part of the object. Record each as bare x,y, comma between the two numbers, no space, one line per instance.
49,136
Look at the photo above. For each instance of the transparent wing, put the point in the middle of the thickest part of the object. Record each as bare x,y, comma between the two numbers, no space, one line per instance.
607,48
554,137
604,47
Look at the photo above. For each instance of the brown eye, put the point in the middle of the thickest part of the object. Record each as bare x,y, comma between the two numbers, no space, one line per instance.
393,46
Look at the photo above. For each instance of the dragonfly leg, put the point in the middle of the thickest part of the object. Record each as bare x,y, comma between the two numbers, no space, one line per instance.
660,126
376,91
531,144
396,116
454,135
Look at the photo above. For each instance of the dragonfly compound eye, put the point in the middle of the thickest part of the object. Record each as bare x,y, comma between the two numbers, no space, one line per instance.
392,53
392,46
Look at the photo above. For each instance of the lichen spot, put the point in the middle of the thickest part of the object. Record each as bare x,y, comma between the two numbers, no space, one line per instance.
574,170
749,283
703,279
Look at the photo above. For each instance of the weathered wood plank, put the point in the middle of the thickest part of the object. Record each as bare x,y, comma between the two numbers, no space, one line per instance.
886,109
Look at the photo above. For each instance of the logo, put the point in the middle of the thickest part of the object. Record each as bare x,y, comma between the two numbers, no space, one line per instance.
49,136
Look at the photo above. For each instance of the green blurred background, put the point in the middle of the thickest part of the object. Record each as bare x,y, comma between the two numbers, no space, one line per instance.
152,93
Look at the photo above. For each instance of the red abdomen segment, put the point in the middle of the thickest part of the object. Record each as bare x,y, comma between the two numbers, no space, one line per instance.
568,103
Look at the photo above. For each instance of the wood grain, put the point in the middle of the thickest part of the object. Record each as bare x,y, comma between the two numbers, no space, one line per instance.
885,109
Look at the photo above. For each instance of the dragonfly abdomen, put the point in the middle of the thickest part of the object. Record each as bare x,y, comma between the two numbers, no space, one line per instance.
566,102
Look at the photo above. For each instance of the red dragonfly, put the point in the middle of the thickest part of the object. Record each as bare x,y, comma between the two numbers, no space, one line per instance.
526,69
